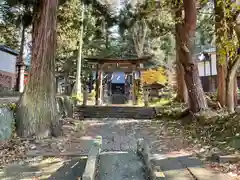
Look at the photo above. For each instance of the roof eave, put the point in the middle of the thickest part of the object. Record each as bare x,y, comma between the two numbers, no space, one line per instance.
8,50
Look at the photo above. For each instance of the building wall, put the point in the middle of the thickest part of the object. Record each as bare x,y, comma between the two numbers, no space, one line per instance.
7,70
205,80
204,74
207,67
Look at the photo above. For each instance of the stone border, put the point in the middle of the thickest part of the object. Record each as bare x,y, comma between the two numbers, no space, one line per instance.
93,156
218,158
143,151
7,121
54,154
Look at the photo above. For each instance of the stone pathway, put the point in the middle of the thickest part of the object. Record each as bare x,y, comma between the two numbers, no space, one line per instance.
118,160
120,166
118,135
122,135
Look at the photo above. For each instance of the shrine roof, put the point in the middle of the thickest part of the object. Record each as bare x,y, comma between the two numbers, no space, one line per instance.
118,60
154,84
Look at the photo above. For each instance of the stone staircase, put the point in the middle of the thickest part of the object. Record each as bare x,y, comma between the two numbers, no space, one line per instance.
116,112
118,99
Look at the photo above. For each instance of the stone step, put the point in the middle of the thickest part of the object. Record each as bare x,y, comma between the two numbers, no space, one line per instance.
113,112
116,112
119,117
119,114
115,109
98,115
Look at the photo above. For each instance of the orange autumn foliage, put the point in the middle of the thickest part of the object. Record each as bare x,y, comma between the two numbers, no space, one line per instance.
154,76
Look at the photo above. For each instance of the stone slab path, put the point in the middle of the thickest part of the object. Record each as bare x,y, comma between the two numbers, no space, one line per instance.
118,135
186,168
122,135
120,166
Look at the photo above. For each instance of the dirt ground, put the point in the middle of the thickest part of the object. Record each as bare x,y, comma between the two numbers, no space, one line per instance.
117,134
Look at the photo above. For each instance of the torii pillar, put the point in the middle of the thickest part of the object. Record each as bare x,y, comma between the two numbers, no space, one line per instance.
134,85
99,85
100,98
96,85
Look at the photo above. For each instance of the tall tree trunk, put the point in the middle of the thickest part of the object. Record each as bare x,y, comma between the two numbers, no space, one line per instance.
221,60
77,90
232,71
67,85
107,36
197,100
37,112
221,81
22,43
235,92
170,70
231,76
139,33
20,70
182,94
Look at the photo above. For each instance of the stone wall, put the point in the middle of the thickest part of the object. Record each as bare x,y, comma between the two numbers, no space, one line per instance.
64,107
6,122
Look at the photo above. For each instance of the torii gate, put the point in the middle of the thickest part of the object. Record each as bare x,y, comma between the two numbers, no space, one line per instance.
110,65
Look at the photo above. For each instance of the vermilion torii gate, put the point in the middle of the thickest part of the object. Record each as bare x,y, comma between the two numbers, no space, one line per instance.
130,66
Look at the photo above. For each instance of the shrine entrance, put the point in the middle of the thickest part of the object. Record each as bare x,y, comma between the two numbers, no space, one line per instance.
116,79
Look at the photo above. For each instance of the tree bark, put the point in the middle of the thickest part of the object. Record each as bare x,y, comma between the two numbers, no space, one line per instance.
22,43
233,65
221,60
235,91
139,33
37,112
182,94
221,81
67,86
20,62
231,76
77,90
197,100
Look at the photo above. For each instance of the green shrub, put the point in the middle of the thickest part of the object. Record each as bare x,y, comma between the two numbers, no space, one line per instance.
77,98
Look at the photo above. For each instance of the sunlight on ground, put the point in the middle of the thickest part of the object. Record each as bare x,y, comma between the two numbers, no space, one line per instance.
114,152
172,154
32,170
111,121
86,138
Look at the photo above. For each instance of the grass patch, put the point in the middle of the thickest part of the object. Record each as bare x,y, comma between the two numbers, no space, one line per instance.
159,102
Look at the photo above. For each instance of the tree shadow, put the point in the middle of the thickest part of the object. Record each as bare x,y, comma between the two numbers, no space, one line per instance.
31,168
74,169
48,168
